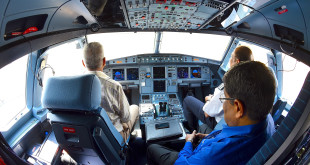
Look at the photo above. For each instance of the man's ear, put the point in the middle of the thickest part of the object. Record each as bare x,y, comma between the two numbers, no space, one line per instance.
103,61
239,108
237,61
83,63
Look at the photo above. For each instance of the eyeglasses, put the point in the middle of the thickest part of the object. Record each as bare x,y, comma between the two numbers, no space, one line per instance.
223,98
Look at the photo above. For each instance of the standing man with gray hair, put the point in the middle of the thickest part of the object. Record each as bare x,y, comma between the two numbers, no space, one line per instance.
114,101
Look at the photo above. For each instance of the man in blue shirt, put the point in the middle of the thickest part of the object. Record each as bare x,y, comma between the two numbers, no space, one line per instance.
247,100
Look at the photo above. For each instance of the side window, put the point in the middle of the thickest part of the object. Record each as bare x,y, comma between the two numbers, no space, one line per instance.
65,59
13,90
259,53
294,74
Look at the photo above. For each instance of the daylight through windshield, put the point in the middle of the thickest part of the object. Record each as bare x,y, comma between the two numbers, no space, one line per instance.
117,45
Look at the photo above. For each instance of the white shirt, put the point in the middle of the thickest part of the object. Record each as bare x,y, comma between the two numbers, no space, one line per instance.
114,100
214,107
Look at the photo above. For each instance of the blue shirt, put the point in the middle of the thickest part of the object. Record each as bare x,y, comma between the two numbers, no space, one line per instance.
232,145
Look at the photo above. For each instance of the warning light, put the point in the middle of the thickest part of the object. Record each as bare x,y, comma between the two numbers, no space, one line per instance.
30,30
68,129
161,1
137,24
16,33
143,17
198,25
166,7
283,11
190,4
188,23
176,2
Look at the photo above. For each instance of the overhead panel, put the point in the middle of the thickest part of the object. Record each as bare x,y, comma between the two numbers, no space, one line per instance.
171,14
304,5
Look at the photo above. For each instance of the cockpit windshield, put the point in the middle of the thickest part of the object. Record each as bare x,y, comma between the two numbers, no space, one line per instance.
117,45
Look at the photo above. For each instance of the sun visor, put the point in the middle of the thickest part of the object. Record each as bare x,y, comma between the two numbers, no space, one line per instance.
71,15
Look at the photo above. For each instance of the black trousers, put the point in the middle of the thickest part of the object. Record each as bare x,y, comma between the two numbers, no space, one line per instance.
157,154
192,110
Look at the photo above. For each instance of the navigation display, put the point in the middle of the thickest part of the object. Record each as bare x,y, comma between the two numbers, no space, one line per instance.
159,72
118,74
195,72
133,74
159,86
183,72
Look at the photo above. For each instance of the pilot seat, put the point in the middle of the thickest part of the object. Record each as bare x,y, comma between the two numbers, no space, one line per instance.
82,128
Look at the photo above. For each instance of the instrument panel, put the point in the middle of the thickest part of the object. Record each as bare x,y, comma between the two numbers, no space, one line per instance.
159,80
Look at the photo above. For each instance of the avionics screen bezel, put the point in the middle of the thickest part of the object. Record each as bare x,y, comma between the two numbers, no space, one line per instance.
113,74
191,72
137,69
145,97
187,68
155,86
159,74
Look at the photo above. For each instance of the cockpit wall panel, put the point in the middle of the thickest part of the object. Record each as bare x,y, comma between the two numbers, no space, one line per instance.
304,5
286,13
257,22
60,15
16,9
281,20
285,10
66,17
18,6
7,19
3,5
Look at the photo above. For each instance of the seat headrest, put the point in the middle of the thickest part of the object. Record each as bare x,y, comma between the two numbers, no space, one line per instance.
81,92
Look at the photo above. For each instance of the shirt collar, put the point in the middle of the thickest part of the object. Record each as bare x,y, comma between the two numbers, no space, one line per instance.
247,130
98,73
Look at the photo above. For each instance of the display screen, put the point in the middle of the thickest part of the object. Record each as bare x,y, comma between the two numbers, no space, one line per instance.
172,96
159,86
133,74
183,72
145,97
159,72
118,74
195,72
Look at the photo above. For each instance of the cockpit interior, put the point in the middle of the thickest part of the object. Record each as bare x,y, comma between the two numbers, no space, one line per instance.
159,51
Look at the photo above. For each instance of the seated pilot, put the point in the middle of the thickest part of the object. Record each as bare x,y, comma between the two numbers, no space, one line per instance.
247,100
211,112
114,100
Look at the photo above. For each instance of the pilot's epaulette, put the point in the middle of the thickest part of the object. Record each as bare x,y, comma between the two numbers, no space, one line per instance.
221,87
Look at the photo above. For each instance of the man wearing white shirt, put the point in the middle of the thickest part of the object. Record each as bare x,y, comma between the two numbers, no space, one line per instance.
211,112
